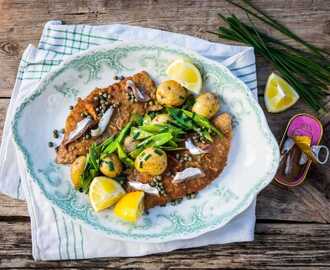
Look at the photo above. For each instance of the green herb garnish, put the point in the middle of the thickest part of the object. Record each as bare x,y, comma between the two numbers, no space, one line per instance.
113,145
110,164
155,140
123,156
189,103
147,157
193,121
158,152
92,167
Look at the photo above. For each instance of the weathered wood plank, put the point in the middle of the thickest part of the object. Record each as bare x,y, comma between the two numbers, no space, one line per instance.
12,208
18,30
293,246
3,111
308,203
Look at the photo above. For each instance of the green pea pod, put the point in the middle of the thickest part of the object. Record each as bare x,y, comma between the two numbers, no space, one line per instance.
155,140
172,143
106,143
180,119
139,134
153,128
135,152
207,135
112,147
123,156
160,128
202,122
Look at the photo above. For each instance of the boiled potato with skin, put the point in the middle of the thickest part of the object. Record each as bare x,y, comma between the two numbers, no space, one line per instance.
171,94
77,169
206,104
223,122
152,161
162,118
111,166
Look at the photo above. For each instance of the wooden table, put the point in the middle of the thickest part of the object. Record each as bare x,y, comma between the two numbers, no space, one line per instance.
292,230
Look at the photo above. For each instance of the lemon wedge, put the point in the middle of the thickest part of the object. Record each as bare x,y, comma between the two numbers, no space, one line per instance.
130,207
279,95
186,74
104,192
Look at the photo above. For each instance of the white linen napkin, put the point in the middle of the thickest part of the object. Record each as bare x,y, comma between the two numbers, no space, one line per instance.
56,237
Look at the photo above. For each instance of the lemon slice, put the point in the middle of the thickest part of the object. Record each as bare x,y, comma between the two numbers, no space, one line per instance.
130,206
279,95
104,192
186,74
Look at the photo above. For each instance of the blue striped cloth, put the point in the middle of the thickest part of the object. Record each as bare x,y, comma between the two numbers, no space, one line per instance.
56,237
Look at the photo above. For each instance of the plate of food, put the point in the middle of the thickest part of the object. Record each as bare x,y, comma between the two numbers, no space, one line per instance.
145,142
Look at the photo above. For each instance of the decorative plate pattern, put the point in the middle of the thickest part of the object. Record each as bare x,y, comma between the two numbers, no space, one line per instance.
252,163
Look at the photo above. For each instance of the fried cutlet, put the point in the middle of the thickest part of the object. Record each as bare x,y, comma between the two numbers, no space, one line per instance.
212,164
116,94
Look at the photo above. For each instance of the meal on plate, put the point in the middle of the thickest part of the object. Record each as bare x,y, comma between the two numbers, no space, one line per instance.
135,145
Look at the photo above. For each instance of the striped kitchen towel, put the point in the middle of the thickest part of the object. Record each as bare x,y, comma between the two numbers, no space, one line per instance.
56,237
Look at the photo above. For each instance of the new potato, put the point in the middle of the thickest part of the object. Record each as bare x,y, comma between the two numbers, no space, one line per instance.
151,161
77,169
223,122
206,105
111,166
171,94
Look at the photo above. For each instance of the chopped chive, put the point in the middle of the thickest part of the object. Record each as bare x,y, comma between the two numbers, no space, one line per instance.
136,135
50,144
141,164
147,157
110,165
158,152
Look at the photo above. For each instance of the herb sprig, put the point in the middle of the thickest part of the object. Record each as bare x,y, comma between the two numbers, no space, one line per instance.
308,71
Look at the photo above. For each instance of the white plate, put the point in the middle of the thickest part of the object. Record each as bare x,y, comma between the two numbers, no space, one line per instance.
253,157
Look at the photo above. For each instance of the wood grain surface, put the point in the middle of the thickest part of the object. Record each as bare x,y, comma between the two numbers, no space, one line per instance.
293,225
